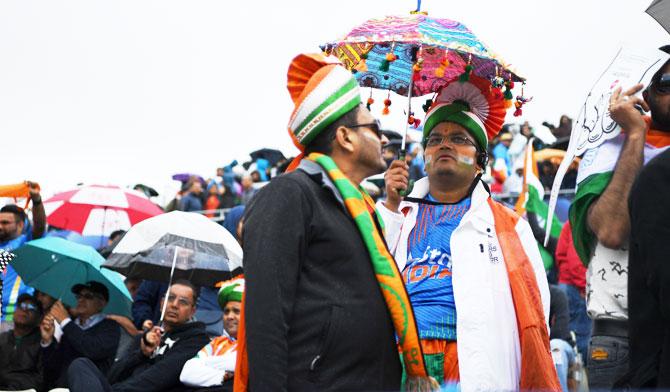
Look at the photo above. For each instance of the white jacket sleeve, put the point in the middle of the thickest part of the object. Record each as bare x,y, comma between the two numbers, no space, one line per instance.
530,245
203,372
392,225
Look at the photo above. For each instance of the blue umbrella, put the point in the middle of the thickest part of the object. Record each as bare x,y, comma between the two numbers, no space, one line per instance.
53,265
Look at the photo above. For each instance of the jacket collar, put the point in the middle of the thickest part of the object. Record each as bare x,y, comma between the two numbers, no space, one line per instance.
316,172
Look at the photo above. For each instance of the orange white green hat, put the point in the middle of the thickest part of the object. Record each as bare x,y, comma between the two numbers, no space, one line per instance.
231,290
322,91
470,104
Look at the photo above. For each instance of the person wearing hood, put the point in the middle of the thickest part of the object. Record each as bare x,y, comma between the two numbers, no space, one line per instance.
471,266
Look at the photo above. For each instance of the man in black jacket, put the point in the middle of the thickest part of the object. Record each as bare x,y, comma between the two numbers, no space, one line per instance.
315,317
159,355
90,335
20,359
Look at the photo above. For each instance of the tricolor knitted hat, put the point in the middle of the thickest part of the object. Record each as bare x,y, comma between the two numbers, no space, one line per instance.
231,290
322,91
471,105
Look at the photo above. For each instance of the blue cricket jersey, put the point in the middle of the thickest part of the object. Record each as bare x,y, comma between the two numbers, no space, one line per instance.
427,274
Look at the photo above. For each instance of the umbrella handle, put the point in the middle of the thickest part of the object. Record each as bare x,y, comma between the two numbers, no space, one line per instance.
404,192
165,301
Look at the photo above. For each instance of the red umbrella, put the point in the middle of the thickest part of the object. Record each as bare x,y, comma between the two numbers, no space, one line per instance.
97,210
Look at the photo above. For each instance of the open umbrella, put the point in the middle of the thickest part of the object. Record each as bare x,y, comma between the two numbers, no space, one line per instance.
177,245
416,55
271,155
660,11
97,210
53,265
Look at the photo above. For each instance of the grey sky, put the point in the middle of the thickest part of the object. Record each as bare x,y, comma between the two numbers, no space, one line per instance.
121,92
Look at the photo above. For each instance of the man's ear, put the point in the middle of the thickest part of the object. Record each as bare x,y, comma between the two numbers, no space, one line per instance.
645,95
343,139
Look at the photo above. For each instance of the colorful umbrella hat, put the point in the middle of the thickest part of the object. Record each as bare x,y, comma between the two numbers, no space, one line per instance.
53,265
418,51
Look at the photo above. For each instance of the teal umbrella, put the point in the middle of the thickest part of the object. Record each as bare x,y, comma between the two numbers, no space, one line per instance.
53,265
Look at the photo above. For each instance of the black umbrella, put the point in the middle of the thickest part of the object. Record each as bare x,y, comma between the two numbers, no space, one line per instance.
660,10
272,156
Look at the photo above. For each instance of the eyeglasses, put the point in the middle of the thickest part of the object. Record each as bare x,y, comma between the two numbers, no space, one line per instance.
28,306
454,140
180,300
88,296
374,127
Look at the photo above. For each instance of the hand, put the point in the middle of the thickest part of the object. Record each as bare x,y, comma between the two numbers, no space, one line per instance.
34,190
396,179
47,329
59,312
622,110
421,384
150,341
147,325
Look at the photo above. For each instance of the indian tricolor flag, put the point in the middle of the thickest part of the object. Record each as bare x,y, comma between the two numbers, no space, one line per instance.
531,200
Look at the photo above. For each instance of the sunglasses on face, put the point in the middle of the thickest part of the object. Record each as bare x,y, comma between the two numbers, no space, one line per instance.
28,306
662,84
454,140
374,127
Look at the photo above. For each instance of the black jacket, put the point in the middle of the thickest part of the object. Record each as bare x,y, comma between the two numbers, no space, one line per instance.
136,372
20,361
315,315
649,277
98,343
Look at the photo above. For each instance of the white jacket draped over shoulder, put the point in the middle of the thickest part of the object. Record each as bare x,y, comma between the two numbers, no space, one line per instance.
486,326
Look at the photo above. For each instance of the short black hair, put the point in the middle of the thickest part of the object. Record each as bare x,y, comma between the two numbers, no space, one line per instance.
323,142
18,212
194,288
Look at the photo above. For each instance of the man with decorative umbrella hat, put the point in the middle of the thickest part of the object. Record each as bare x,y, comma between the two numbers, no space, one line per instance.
471,266
324,300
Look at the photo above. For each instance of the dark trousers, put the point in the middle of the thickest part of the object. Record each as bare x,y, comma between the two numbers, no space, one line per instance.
84,376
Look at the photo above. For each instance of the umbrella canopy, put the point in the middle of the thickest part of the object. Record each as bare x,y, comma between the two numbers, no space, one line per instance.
97,210
186,177
271,155
197,248
660,11
396,52
53,265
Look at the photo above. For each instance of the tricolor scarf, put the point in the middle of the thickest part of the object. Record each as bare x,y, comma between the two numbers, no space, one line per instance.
361,207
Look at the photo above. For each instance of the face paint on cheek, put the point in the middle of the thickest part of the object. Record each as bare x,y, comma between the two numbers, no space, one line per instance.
428,160
465,161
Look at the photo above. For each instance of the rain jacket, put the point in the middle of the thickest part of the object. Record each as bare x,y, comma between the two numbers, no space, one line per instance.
489,344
